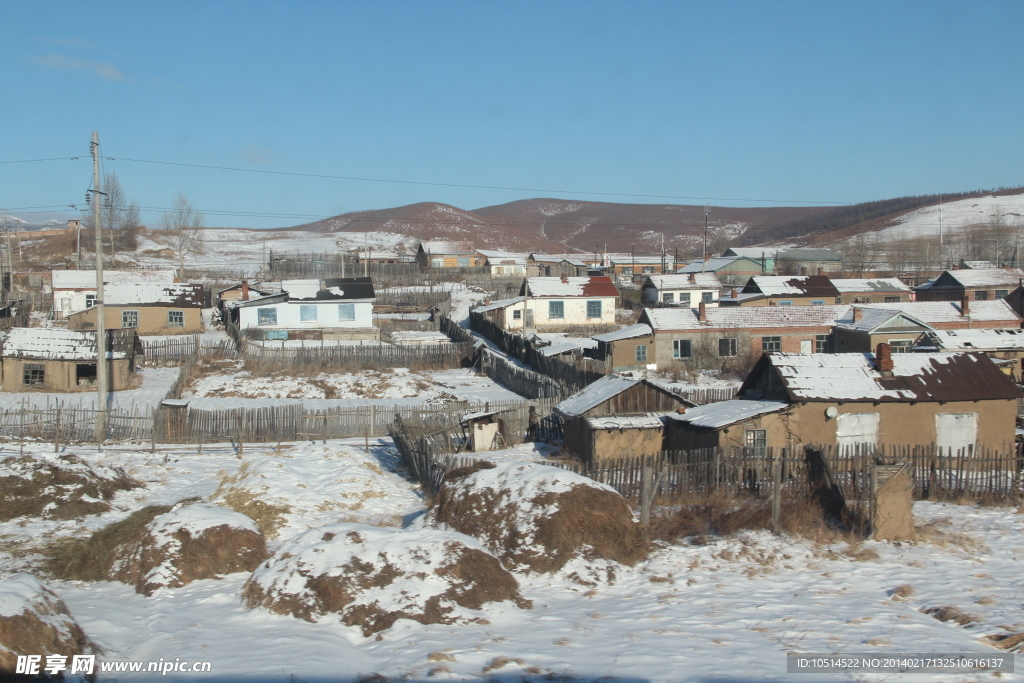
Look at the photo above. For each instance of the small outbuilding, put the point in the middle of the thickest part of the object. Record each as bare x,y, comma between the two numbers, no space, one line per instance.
62,360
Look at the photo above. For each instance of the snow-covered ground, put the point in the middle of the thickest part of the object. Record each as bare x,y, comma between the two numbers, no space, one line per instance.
154,386
957,216
727,610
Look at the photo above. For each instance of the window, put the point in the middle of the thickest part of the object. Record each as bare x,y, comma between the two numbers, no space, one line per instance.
756,440
628,270
901,345
266,316
817,302
85,374
684,298
707,297
517,314
682,348
727,347
437,262
862,299
90,300
769,344
647,269
955,432
785,303
129,318
556,309
35,374
1002,293
981,295
463,262
853,429
593,309
641,353
346,311
668,298
821,343
175,318
307,313
892,299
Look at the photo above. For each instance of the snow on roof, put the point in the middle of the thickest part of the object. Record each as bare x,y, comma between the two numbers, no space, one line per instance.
681,281
176,293
915,377
557,348
631,332
751,252
594,286
932,312
630,259
792,285
872,318
647,421
500,303
86,279
419,337
502,255
738,317
711,265
858,285
978,339
595,394
987,277
447,247
53,343
724,413
977,265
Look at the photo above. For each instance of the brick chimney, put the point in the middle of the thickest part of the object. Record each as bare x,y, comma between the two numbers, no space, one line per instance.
693,279
245,290
732,293
858,313
883,359
565,278
965,306
821,271
702,312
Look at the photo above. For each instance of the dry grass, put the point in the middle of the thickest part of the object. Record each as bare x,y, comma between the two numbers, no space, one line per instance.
939,533
66,489
268,517
1006,641
440,656
949,613
499,663
902,591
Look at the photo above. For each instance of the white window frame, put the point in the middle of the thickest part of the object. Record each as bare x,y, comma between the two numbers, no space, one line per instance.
677,348
556,305
127,314
305,310
600,309
266,316
172,314
342,310
641,353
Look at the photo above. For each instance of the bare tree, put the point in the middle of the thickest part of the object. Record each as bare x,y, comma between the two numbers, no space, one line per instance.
185,223
120,217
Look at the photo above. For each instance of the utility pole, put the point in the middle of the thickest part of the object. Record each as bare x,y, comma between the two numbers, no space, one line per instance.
704,255
101,332
663,253
3,290
941,252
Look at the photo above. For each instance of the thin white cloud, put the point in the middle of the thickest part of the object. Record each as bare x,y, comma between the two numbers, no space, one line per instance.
102,70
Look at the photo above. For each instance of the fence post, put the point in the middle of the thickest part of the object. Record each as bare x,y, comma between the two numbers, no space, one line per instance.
777,494
56,433
646,495
238,424
21,429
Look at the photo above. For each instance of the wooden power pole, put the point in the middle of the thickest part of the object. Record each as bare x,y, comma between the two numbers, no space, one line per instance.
102,379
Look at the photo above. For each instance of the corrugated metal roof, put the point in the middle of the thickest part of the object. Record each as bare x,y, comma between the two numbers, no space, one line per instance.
595,394
647,421
597,286
986,277
638,330
869,285
791,285
977,339
682,281
739,317
500,303
58,343
724,413
873,318
933,312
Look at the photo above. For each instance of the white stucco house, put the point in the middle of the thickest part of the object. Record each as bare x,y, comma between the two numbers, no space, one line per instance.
75,290
554,303
683,289
333,308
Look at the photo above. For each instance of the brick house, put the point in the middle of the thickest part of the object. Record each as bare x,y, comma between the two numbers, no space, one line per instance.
984,284
173,308
446,254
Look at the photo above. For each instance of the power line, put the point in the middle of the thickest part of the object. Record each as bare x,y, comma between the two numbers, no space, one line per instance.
33,161
472,187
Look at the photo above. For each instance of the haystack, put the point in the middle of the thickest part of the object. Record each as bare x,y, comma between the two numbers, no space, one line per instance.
371,577
58,487
165,547
34,621
536,518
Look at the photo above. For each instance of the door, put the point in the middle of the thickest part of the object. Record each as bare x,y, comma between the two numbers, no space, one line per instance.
955,432
529,318
856,429
806,346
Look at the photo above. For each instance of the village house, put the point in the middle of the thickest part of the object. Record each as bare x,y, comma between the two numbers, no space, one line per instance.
507,262
554,304
444,254
984,284
617,417
785,290
63,360
762,255
731,271
173,308
332,308
681,290
956,401
75,290
1004,346
737,425
808,262
240,292
884,290
557,265
872,326
631,348
732,338
630,265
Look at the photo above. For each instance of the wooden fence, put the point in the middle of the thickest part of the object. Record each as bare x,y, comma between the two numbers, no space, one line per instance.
265,359
523,381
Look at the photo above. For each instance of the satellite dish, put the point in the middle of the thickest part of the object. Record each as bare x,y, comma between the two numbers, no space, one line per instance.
831,412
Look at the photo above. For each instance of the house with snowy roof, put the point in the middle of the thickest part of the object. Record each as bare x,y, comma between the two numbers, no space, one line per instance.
878,290
981,284
447,254
1004,346
681,289
554,304
332,309
731,271
507,262
153,308
631,348
556,265
785,290
808,262
731,338
617,417
737,425
958,402
62,360
75,290
630,264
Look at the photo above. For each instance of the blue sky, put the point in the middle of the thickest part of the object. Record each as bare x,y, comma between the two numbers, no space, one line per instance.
781,101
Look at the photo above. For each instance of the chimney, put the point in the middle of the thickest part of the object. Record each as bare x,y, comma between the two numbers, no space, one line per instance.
883,359
773,302
965,306
565,278
821,271
733,293
858,313
245,290
693,279
702,312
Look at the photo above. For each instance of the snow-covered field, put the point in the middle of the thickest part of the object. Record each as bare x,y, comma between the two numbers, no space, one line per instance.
155,382
958,216
727,610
